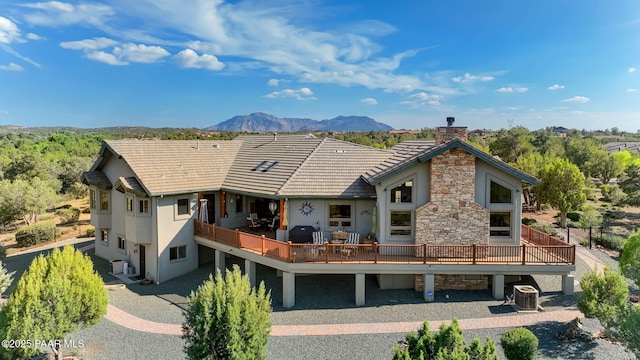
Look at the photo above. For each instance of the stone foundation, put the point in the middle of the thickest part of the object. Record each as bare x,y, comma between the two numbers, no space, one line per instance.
455,282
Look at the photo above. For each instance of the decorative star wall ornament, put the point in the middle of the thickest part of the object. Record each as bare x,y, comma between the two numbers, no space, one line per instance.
306,208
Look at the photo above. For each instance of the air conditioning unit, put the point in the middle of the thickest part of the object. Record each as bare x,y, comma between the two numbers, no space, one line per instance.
116,266
525,297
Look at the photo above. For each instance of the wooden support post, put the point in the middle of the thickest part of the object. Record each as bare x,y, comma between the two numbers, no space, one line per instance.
375,252
524,253
474,253
263,245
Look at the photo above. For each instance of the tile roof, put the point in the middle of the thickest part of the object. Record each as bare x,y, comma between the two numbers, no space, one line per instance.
400,156
97,179
175,166
335,169
130,184
411,152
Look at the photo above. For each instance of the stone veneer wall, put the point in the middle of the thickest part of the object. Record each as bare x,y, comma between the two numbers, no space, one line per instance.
452,216
455,282
444,134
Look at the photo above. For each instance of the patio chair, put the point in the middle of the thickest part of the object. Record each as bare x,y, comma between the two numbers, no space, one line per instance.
318,239
253,225
274,224
254,217
353,239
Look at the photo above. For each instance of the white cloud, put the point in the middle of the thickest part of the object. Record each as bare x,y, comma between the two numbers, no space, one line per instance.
470,78
11,67
632,90
89,44
369,101
555,87
509,89
189,59
577,99
422,99
56,13
273,82
140,53
32,36
632,69
9,31
105,58
300,94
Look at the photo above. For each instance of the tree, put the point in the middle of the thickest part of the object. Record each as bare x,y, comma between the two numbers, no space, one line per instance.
604,297
630,328
58,294
630,184
6,278
510,144
446,344
561,184
590,218
583,153
630,258
227,319
608,168
532,163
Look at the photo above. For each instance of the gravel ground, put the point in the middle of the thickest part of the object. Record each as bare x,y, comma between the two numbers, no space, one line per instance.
325,299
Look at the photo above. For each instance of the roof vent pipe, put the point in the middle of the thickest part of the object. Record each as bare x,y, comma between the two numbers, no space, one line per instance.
275,136
450,121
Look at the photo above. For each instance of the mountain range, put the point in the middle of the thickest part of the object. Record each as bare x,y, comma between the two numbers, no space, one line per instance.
261,122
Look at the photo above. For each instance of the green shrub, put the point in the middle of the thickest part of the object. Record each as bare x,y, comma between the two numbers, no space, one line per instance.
519,344
573,216
610,241
68,215
528,221
545,228
39,232
91,231
47,216
3,252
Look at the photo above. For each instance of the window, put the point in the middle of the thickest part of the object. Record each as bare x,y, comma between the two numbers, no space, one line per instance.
339,215
143,206
183,206
92,199
500,194
178,252
104,200
402,193
239,203
500,224
104,236
122,243
400,222
129,204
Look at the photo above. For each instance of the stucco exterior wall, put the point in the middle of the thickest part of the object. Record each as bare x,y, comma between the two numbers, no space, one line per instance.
175,230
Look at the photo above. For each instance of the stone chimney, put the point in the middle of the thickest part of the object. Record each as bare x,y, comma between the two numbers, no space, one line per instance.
444,134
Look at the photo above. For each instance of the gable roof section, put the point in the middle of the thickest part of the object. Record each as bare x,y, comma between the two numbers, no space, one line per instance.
401,156
130,184
430,152
164,167
334,169
96,178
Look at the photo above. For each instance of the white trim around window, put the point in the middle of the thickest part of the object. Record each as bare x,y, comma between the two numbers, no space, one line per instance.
182,207
128,204
143,207
122,244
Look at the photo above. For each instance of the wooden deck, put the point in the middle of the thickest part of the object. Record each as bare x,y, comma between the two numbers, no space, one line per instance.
537,249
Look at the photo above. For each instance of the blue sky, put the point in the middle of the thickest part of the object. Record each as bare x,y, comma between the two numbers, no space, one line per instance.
410,64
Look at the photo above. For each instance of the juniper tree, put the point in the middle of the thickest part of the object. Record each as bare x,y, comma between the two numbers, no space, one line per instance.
227,319
59,294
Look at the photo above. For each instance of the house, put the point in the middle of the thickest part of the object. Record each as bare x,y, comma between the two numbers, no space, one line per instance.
438,213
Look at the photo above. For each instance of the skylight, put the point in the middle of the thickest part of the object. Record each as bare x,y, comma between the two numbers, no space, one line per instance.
270,166
259,166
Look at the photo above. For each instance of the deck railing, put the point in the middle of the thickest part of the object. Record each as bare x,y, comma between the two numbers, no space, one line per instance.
546,251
